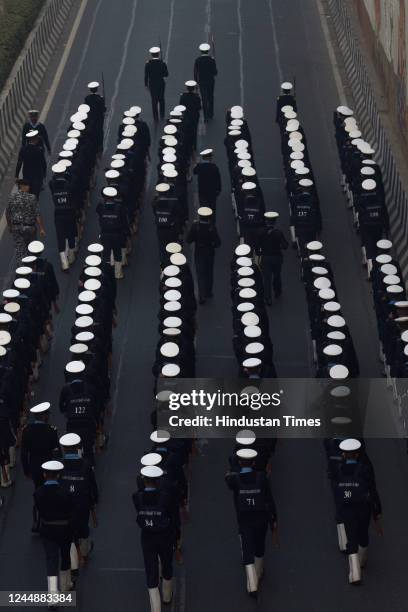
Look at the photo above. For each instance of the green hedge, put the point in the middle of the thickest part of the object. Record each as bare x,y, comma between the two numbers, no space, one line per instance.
17,18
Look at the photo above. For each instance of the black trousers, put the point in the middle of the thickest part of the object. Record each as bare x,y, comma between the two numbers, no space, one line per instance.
271,269
80,523
207,98
369,238
253,535
57,543
356,521
158,102
204,263
112,243
66,229
157,546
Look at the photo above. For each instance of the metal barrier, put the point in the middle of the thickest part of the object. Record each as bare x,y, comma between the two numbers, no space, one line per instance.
372,128
26,77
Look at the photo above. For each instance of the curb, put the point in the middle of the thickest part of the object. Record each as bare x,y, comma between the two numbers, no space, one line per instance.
26,76
372,128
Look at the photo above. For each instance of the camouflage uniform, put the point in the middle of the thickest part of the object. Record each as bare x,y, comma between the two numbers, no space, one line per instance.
22,213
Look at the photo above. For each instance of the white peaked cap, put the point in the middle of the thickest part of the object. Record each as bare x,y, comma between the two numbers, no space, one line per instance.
154,50
35,247
52,466
79,125
92,284
250,318
172,322
271,214
319,270
204,47
5,318
118,156
254,348
170,141
39,408
75,367
70,439
92,271
247,293
168,151
151,459
338,372
78,349
394,289
245,307
336,321
173,247
128,121
248,171
22,283
243,261
367,171
171,270
169,158
112,174
384,244
252,331
391,279
350,445
10,293
93,85
170,173
125,144
65,154
204,211
93,260
206,152
58,168
345,110
321,282
236,123
369,184
170,370
96,247
85,336
171,331
160,436
5,338
242,250
83,321
173,282
170,129
32,133
110,192
151,471
87,296
332,350
23,270
286,85
245,271
173,306
331,306
162,187
246,453
169,349
12,307
314,245
178,259
117,163
340,391
243,155
73,134
326,294
248,186
172,295
336,335
245,437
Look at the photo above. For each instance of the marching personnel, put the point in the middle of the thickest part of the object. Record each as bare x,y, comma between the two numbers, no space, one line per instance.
114,228
270,246
209,180
78,479
34,124
155,73
256,511
65,215
44,270
55,508
286,98
157,510
31,159
357,501
23,217
39,443
372,218
167,217
97,111
205,71
191,100
205,236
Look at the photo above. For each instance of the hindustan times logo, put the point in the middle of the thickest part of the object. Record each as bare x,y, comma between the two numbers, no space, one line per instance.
207,401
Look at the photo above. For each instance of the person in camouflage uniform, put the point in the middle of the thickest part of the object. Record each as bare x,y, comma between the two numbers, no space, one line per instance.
23,218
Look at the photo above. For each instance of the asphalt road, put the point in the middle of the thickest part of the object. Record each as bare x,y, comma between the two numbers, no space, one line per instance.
257,44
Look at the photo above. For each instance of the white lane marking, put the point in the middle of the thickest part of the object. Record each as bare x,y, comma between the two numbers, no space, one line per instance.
275,41
53,88
241,56
170,34
120,73
332,55
207,27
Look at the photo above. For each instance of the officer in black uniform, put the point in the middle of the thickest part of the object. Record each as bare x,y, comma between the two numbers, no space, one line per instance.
209,180
191,100
96,102
155,73
270,246
32,160
78,478
206,239
55,509
65,215
256,511
39,443
157,511
166,214
34,124
114,228
357,500
286,98
205,71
